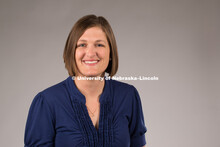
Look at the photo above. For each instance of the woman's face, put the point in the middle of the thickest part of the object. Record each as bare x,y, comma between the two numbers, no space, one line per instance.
92,53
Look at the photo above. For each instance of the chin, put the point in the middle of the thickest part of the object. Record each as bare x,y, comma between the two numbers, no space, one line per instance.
90,74
95,74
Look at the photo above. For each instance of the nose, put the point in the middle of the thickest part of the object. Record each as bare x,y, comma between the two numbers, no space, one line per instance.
90,51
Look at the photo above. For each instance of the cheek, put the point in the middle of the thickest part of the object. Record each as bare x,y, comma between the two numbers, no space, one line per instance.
78,55
105,54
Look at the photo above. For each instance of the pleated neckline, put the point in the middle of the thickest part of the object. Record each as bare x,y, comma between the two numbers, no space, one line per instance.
103,136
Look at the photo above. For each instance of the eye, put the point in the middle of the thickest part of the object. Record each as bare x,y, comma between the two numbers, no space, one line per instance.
100,45
81,45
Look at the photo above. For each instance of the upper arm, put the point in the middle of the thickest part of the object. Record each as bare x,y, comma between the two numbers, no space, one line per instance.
40,124
137,126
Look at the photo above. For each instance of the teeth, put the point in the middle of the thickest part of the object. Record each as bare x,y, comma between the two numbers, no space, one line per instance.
90,62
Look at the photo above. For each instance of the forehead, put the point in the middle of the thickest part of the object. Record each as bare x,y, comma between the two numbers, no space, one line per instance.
93,33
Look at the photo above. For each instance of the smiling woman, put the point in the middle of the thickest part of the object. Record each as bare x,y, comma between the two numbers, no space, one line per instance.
92,53
87,113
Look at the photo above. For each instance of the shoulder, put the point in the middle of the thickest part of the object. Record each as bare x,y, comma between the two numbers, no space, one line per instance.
55,89
123,92
51,94
122,87
125,98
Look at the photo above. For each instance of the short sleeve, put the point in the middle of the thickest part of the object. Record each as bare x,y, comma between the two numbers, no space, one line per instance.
137,127
39,129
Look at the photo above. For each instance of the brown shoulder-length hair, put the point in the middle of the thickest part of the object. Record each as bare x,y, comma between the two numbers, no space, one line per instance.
77,31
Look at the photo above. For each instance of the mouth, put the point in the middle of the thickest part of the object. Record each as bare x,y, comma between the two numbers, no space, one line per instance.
90,62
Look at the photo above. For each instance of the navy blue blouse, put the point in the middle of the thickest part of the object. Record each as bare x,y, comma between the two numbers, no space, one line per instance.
58,117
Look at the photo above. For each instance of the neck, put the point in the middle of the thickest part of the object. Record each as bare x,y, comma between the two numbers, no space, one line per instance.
91,89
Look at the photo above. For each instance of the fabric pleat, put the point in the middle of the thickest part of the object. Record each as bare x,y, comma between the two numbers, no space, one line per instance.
92,137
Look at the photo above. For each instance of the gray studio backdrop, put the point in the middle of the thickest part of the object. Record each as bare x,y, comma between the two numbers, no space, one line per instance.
176,40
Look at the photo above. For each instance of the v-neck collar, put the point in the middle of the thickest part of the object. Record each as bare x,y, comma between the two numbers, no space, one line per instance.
74,91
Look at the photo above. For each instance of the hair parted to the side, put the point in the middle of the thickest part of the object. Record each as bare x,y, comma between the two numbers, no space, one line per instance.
77,31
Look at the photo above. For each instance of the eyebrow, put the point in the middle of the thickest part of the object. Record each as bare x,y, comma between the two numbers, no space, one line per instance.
101,41
82,40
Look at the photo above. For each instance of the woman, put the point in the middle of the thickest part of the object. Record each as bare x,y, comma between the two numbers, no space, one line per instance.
87,109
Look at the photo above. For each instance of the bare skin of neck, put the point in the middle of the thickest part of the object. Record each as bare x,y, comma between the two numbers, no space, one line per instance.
91,89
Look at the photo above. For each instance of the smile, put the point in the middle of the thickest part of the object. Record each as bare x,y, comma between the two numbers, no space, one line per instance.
90,62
